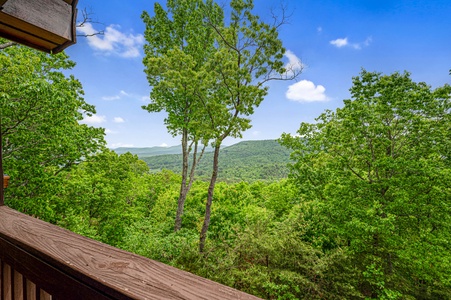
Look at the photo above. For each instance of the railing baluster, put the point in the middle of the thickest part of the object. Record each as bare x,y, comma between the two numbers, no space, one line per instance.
44,295
31,290
11,276
1,280
24,288
13,285
18,285
6,282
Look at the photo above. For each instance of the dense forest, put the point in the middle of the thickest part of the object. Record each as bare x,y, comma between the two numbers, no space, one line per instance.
365,212
360,210
244,161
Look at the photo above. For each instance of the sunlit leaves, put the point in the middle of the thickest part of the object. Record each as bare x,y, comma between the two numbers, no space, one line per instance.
40,110
377,169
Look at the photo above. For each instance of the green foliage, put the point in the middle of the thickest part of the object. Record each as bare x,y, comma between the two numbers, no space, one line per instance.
105,193
375,173
40,109
208,75
249,247
364,215
179,45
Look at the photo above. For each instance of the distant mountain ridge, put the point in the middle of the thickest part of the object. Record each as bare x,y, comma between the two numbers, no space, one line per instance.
244,161
149,151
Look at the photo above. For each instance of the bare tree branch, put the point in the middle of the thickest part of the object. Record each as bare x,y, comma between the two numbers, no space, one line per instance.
6,45
87,19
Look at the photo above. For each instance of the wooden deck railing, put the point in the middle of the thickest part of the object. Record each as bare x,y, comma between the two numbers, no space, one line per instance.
41,261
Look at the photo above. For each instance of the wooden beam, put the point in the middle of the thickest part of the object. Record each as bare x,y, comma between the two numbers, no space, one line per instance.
26,39
47,25
52,16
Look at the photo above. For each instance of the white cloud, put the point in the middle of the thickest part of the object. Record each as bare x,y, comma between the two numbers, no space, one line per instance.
111,98
345,43
118,120
319,29
123,94
306,91
164,145
113,41
340,42
94,119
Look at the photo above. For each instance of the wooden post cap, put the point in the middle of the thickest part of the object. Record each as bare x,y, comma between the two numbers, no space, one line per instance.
5,181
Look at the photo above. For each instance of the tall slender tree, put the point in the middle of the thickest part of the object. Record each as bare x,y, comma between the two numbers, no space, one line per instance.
209,76
178,47
248,55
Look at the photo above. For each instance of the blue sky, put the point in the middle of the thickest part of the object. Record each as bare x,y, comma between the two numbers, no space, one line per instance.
334,40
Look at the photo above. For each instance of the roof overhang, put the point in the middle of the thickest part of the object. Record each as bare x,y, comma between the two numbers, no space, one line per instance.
46,25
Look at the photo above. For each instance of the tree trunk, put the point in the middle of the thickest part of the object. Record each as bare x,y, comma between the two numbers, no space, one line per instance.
195,163
180,206
187,181
183,185
211,189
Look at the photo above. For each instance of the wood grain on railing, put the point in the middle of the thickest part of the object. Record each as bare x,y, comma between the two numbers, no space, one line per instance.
70,266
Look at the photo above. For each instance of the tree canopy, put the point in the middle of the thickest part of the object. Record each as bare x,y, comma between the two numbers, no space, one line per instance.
176,54
41,108
208,72
249,54
376,175
365,213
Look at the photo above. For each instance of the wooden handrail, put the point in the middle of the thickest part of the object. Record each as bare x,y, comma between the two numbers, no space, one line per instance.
69,266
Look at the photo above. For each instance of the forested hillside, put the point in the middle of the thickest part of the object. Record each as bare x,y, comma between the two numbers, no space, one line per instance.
355,205
364,214
248,161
